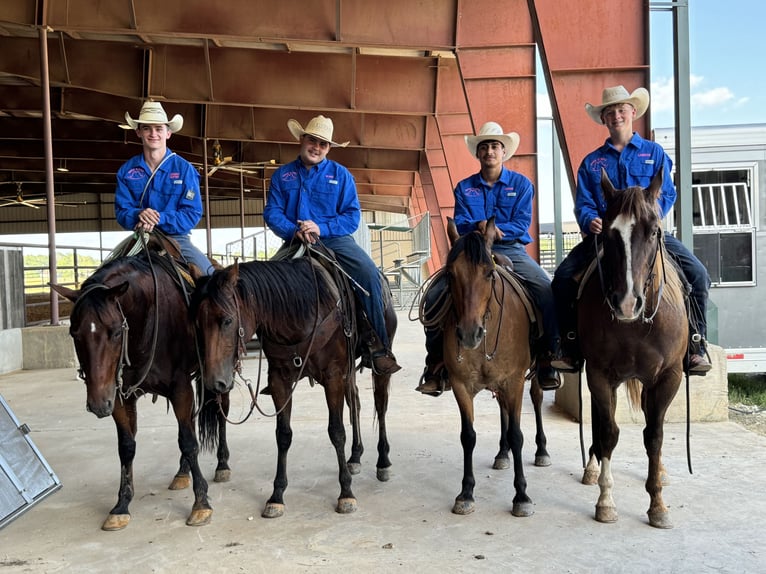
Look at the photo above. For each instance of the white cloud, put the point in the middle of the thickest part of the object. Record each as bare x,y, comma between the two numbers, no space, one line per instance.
662,95
712,98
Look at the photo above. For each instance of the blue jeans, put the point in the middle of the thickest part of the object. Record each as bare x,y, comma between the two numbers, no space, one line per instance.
193,255
361,268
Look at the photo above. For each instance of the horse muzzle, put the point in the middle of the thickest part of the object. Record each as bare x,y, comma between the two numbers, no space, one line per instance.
470,338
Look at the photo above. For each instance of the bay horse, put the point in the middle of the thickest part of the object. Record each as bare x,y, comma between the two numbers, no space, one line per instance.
632,327
133,336
490,350
298,313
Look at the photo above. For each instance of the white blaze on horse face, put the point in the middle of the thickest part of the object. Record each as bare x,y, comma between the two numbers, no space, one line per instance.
624,226
92,327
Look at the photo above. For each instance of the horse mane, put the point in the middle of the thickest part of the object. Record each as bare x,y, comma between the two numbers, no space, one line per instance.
632,201
473,246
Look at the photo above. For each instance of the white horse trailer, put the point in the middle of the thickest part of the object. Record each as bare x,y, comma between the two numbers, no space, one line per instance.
729,234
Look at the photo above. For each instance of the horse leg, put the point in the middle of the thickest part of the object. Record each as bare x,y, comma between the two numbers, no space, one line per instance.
542,458
657,400
222,470
464,503
511,398
183,407
280,389
381,385
604,400
502,459
593,469
335,396
125,419
354,408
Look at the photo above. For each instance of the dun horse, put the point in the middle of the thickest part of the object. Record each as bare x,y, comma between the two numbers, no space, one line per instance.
632,327
486,346
297,311
133,336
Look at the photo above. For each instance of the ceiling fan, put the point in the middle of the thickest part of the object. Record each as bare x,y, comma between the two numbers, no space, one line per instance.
33,203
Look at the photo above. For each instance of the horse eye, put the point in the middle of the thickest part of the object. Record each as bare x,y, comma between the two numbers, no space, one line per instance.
227,321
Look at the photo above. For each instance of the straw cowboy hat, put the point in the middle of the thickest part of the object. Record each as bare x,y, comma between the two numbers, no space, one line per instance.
320,127
152,113
492,132
639,99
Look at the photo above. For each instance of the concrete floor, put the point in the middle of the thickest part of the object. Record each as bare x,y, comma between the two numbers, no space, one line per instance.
403,525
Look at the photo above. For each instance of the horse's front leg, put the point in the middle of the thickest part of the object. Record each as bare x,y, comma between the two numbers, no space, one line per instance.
280,394
464,503
603,397
183,407
542,458
656,404
125,419
511,397
354,408
502,458
381,386
222,470
334,394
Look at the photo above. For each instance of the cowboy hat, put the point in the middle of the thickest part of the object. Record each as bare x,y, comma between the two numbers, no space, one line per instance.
152,113
320,127
491,131
639,99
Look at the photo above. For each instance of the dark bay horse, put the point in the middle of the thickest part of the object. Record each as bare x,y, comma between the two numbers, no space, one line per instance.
133,336
632,327
486,346
297,311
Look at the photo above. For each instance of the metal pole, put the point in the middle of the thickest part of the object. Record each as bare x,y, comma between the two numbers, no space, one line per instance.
683,123
558,230
48,145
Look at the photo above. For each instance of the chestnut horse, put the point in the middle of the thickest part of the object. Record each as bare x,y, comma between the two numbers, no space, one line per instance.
307,329
632,327
133,336
489,350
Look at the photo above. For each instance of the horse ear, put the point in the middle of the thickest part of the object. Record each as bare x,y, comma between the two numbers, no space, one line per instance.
232,275
655,187
118,290
490,231
70,294
452,232
606,185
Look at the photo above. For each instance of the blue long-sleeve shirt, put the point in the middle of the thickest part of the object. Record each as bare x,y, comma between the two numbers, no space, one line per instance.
637,164
325,194
173,192
509,200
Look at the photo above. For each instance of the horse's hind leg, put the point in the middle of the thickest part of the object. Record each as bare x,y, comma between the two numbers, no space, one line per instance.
381,389
335,397
354,408
502,458
542,458
125,419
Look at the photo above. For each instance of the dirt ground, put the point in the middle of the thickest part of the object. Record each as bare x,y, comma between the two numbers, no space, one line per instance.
403,525
749,417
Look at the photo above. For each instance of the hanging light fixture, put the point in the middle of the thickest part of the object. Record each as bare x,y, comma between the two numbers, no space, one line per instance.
217,153
62,166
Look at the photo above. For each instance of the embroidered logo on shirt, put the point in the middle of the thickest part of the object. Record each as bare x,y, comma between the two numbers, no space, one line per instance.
597,164
190,194
472,192
289,175
174,175
135,173
178,182
509,192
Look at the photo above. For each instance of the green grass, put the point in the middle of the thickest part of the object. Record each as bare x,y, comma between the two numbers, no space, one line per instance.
748,389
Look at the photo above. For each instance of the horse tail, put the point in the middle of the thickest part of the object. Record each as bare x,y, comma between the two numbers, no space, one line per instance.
634,387
207,423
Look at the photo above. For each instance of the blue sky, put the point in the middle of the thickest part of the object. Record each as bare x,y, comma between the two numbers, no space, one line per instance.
727,80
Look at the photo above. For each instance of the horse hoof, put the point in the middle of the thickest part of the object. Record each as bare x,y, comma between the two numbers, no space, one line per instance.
273,510
383,474
346,506
542,460
463,507
200,517
115,522
606,514
502,463
179,482
523,509
590,477
222,475
660,519
354,467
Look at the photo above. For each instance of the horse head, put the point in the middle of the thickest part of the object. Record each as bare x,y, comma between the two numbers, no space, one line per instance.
98,329
471,272
631,237
217,315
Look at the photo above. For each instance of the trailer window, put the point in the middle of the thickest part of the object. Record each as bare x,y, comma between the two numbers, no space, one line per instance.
723,224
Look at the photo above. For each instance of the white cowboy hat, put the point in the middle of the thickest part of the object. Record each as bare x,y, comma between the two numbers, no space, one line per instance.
491,131
152,113
639,99
320,127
